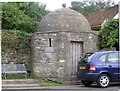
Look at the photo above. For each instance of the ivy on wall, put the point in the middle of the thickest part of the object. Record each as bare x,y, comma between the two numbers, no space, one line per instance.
19,21
15,40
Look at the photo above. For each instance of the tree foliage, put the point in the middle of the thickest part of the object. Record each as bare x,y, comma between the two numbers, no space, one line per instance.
87,7
109,35
15,40
19,21
22,16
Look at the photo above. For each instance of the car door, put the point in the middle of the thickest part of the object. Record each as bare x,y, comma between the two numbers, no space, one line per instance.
113,66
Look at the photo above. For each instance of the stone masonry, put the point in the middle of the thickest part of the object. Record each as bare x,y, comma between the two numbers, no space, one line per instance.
62,37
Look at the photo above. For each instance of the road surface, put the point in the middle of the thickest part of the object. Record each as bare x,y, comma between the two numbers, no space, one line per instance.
113,87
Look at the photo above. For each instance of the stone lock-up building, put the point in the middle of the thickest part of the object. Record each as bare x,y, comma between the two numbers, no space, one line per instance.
62,37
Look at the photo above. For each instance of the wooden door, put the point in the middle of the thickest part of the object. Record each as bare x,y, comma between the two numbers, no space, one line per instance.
76,51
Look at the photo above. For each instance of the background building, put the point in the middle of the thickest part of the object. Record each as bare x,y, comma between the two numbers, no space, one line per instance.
98,19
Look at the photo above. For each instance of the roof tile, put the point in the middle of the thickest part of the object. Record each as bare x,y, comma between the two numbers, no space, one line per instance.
97,18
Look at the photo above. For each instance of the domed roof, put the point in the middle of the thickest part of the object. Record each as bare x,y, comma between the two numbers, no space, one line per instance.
64,19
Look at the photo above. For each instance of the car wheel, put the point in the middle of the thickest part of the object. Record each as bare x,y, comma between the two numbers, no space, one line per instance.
87,83
103,80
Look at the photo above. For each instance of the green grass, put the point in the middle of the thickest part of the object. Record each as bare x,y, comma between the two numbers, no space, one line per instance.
49,83
41,82
14,76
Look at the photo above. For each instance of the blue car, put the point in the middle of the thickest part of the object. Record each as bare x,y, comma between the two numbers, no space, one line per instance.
100,67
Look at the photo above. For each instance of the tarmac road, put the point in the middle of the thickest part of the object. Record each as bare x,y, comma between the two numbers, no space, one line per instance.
113,87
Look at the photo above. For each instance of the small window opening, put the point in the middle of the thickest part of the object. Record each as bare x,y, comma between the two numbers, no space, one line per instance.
50,44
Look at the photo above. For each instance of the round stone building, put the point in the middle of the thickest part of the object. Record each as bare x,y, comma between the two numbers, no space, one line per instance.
63,36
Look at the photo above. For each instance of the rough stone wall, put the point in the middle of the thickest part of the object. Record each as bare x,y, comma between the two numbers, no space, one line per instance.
13,56
54,61
49,62
89,40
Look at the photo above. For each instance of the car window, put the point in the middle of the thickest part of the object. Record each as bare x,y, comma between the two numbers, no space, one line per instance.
113,58
103,58
90,58
87,57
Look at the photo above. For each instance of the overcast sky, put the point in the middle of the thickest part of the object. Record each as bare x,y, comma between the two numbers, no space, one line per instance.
56,4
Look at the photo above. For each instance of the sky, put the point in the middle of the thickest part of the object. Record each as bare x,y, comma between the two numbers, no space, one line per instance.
56,4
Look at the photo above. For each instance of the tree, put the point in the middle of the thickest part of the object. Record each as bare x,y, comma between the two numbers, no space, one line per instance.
87,7
109,35
22,16
19,21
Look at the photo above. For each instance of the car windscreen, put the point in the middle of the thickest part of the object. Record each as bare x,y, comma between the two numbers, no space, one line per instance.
87,58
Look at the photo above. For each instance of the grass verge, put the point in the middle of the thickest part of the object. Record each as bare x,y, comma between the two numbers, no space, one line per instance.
49,83
45,82
41,82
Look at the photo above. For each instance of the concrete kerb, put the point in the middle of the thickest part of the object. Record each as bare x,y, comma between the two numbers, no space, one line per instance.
73,87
